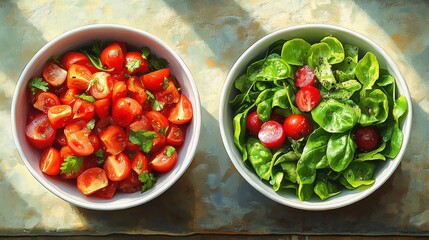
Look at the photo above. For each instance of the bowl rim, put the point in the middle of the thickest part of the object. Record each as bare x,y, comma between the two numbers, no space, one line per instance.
107,206
245,173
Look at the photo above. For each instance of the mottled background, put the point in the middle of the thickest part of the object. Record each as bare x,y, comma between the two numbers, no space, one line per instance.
212,197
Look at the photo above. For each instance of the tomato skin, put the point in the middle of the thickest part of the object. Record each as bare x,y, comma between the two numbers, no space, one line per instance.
182,112
130,184
117,167
136,90
78,77
50,161
71,58
305,76
168,96
112,57
162,162
175,135
367,138
39,132
158,121
158,143
119,91
59,115
95,142
69,96
253,123
107,192
135,63
125,110
92,180
83,110
140,163
103,123
113,139
80,143
307,98
103,84
272,134
102,108
45,100
54,74
60,138
141,123
297,126
154,81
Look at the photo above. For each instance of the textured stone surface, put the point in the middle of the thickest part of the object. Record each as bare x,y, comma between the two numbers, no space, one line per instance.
212,197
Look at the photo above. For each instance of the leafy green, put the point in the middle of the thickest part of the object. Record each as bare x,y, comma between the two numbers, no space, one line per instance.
148,180
294,51
85,97
71,164
143,139
38,84
93,52
341,118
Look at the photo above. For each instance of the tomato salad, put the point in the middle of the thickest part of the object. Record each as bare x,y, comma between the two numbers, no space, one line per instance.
317,118
108,117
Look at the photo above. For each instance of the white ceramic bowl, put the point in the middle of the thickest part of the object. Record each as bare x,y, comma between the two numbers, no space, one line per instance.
312,33
84,36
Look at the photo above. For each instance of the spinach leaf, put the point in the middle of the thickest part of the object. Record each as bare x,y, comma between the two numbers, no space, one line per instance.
243,84
264,109
260,157
239,123
326,189
351,51
346,69
334,116
276,180
280,99
305,191
360,174
269,69
372,155
290,156
294,51
375,108
289,168
337,50
399,108
342,90
393,146
340,151
318,57
367,70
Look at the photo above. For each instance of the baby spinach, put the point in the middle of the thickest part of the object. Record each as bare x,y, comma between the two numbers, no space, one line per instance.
260,157
326,189
360,174
375,108
340,151
318,59
334,116
367,70
337,49
295,51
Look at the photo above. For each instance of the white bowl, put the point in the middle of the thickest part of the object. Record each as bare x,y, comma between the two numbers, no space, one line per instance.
311,33
73,40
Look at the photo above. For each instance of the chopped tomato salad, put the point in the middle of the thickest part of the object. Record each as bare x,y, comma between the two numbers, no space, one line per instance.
109,118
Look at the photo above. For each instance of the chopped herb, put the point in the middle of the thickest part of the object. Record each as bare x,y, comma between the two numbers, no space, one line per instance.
148,180
100,155
143,139
155,104
93,53
170,151
38,84
85,97
133,65
163,131
157,63
91,83
165,86
145,52
91,124
43,135
71,164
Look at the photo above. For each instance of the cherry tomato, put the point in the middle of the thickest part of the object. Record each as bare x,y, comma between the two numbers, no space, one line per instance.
165,160
107,192
103,123
102,108
117,167
175,135
39,132
158,142
130,184
168,96
297,126
69,96
54,74
305,76
113,139
60,138
141,123
83,109
45,100
59,115
253,123
154,81
102,85
92,180
367,138
95,142
135,63
78,77
272,134
119,75
50,161
71,58
182,112
307,98
136,90
76,126
112,57
125,110
79,143
119,91
158,121
140,163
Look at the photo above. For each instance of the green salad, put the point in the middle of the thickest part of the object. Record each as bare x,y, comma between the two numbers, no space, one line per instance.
316,119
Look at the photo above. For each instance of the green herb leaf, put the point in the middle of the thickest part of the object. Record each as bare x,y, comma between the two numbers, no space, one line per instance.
170,151
157,63
133,65
143,139
85,97
165,85
93,53
38,84
71,164
155,104
163,131
148,180
145,52
91,124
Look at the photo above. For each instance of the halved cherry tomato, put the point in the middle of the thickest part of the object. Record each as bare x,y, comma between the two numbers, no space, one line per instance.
59,115
102,108
272,134
135,63
103,123
253,123
165,160
69,96
112,57
95,142
60,138
102,85
54,74
158,121
305,76
182,112
76,126
130,184
175,135
78,77
119,75
125,110
107,192
154,81
169,95
117,167
79,143
71,58
307,98
119,91
92,180
141,123
39,132
136,90
140,163
113,139
50,161
297,126
83,110
45,100
158,142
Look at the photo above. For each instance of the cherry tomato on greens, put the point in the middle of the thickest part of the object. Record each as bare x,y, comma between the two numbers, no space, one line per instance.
272,134
297,126
367,138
